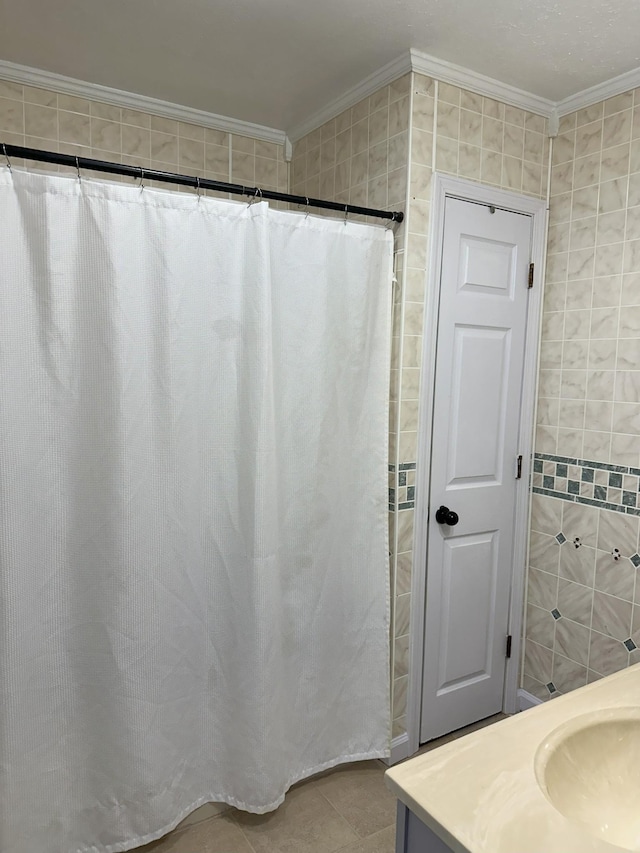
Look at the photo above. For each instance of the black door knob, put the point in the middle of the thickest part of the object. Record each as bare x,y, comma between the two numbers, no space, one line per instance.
444,515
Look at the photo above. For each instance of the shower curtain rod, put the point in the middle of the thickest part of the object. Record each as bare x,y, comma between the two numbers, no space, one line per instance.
189,181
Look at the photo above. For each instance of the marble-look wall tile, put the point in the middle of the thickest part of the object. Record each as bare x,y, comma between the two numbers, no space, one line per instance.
44,119
480,139
541,626
542,589
594,241
538,662
567,674
589,348
585,615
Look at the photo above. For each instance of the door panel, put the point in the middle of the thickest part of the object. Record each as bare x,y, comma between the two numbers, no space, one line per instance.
478,374
470,571
486,265
477,407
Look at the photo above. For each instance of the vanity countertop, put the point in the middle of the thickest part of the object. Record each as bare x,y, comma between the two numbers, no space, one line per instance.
480,794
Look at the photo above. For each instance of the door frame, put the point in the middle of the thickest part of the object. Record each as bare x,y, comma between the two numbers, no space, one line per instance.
443,187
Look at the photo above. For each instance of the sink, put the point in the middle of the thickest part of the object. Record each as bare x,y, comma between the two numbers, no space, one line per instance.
589,770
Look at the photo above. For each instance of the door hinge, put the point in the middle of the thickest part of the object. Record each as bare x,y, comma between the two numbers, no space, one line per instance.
531,268
519,468
509,638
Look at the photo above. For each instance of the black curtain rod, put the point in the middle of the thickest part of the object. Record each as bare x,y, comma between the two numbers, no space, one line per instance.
189,181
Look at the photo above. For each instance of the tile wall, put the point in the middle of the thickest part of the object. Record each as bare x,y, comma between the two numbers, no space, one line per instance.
583,618
583,607
491,143
482,140
385,144
359,157
40,118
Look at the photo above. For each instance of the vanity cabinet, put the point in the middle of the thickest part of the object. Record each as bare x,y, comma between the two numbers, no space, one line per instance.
412,836
487,792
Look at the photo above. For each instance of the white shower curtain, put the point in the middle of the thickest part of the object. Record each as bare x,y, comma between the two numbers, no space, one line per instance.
193,546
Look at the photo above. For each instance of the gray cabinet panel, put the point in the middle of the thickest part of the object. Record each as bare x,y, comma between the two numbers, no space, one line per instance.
412,836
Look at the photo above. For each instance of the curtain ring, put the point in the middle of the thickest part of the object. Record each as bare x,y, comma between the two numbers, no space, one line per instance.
198,188
4,148
306,215
257,196
346,210
141,179
78,170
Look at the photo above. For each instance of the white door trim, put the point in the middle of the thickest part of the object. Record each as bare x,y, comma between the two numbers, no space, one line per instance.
444,186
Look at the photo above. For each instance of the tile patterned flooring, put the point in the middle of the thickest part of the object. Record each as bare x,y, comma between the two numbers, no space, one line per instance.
345,810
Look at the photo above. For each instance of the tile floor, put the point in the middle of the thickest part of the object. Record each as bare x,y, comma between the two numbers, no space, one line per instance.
345,810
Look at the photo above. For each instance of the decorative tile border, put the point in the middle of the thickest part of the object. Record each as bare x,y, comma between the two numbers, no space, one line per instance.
599,484
584,481
402,486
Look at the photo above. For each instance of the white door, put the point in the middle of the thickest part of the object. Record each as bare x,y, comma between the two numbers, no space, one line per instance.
479,367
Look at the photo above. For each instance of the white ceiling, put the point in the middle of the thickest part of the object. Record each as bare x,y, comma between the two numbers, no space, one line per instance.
277,62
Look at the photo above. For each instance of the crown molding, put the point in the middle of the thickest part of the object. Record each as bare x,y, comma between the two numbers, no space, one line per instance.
456,75
70,86
422,63
371,84
600,92
412,60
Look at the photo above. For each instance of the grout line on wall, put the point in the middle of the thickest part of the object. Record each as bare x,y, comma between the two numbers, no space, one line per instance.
543,278
565,308
593,585
434,127
400,304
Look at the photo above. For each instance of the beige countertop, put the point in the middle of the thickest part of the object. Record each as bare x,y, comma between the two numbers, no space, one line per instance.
480,794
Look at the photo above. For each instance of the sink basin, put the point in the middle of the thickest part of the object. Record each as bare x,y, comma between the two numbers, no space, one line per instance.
589,770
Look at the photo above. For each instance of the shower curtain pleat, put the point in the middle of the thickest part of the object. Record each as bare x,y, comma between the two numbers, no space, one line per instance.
193,528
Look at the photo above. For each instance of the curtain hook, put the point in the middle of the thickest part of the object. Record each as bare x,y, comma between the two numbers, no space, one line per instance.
306,215
198,187
141,179
78,170
346,210
4,148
